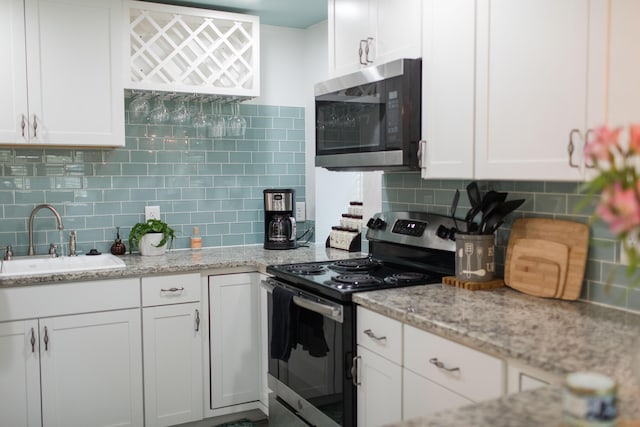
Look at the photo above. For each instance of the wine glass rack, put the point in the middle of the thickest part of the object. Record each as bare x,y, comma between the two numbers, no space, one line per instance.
184,49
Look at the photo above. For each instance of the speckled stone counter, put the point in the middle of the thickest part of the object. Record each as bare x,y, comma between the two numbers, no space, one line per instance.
553,335
251,257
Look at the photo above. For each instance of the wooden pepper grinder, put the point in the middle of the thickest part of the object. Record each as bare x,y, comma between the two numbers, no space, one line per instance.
118,247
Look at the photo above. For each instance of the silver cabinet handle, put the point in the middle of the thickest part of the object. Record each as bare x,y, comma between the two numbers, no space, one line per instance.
35,126
46,339
172,290
33,340
370,334
354,371
586,141
197,320
360,51
366,50
440,365
571,147
23,124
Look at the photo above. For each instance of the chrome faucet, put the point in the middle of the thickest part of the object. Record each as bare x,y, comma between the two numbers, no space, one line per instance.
35,210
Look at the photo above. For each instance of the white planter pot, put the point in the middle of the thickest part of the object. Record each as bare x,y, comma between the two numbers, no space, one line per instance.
148,242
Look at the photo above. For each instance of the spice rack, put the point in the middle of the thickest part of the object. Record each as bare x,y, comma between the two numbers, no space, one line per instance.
347,235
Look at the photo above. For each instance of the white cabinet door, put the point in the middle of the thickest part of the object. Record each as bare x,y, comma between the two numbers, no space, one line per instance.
624,63
448,88
349,31
13,73
19,374
371,32
423,397
379,392
398,30
91,369
172,364
541,70
74,63
235,340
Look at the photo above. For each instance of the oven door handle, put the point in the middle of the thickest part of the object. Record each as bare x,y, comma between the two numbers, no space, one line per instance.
334,312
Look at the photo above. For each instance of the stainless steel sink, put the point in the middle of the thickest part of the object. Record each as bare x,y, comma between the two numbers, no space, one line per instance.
30,265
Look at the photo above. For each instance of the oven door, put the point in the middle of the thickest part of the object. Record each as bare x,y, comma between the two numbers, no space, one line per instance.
315,384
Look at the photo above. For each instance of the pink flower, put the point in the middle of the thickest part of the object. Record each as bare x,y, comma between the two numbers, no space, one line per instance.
600,148
620,208
634,138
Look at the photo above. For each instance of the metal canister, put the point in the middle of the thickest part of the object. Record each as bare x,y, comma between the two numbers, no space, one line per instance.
589,400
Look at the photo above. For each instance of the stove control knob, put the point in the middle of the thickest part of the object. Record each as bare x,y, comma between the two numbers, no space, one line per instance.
376,224
443,232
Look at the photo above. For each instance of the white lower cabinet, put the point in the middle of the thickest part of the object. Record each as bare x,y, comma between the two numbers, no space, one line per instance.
20,374
404,372
421,396
235,339
378,369
379,389
172,337
63,369
91,369
522,378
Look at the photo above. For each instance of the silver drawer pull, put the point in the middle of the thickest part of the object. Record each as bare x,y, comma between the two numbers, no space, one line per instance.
441,365
172,290
370,334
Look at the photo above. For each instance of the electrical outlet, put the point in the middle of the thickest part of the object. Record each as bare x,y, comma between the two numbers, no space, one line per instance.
632,240
151,212
301,211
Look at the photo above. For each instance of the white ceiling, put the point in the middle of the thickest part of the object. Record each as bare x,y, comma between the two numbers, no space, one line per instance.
282,13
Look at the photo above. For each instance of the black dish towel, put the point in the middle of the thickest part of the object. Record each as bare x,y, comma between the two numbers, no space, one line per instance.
311,333
283,326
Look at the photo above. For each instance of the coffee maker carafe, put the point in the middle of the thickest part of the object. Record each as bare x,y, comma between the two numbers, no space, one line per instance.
279,222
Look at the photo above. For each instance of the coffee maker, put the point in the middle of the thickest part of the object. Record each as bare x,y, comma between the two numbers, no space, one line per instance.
279,222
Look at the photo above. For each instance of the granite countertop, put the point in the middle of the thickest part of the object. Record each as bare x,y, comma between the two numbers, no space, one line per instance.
181,261
556,336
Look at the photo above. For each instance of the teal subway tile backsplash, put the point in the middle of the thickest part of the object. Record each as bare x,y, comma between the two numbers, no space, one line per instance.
605,278
213,183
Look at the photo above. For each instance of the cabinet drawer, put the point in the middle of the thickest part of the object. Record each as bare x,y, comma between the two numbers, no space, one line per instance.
174,289
473,374
380,334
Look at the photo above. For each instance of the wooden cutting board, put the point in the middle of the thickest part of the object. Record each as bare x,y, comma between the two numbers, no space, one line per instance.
539,267
537,244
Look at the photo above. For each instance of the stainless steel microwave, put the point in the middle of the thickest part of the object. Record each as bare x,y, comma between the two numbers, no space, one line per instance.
370,120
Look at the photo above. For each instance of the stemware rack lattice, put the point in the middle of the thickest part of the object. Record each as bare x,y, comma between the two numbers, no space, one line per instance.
183,49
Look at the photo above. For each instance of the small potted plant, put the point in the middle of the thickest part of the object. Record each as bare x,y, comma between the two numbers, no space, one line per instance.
151,237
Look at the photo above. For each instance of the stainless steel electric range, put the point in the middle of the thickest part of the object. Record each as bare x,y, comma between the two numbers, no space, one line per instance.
312,318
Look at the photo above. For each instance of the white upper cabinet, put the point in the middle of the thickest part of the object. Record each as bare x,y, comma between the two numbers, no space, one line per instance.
372,32
183,49
63,74
624,63
448,85
540,86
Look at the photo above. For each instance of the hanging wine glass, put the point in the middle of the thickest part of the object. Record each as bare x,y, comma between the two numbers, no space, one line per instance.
139,109
200,118
159,114
237,125
218,123
181,115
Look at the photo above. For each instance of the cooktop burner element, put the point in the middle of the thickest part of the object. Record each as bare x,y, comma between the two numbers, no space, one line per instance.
355,265
353,281
306,269
407,278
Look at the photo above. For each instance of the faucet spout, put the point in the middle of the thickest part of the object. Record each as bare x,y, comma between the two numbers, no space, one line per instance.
35,210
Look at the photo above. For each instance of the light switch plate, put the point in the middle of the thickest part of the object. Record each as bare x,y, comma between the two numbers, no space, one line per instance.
301,211
151,212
